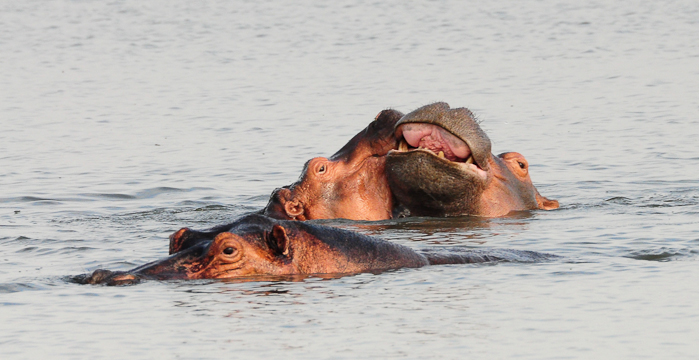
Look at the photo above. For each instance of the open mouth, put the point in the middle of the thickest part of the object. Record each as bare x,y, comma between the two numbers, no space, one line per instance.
437,141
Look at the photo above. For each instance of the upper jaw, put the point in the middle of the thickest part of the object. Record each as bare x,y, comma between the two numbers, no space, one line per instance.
437,126
443,146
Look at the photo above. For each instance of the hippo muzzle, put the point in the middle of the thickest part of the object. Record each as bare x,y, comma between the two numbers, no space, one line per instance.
178,266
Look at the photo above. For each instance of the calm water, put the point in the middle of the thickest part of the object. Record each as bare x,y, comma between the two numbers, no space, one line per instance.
123,121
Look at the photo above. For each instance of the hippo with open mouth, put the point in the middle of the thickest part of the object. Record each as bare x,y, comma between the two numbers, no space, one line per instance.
434,161
256,247
443,167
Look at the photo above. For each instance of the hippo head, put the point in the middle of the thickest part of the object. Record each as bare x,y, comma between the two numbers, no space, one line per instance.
444,166
351,184
259,246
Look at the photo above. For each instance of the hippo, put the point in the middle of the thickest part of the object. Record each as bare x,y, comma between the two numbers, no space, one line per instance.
257,247
444,167
351,184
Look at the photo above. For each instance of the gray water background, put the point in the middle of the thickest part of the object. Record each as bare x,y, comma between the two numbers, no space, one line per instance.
123,121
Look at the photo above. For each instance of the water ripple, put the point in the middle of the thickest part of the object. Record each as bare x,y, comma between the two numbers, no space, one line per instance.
662,254
19,287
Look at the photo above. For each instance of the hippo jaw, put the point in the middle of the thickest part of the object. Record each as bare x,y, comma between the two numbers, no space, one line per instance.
442,163
428,186
437,141
450,134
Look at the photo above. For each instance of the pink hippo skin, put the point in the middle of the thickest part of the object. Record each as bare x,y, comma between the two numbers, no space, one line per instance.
351,184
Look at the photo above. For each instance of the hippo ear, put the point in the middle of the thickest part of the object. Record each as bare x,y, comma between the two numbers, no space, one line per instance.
294,209
278,241
545,203
283,206
178,239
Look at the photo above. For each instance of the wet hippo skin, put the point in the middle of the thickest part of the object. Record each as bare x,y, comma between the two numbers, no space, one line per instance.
257,246
351,184
444,167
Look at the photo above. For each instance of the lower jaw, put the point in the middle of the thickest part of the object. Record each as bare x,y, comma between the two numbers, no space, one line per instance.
405,165
433,188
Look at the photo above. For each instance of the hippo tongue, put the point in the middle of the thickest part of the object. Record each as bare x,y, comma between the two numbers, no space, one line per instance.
436,139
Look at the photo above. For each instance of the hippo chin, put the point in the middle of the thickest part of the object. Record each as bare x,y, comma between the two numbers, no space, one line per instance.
444,167
351,184
257,247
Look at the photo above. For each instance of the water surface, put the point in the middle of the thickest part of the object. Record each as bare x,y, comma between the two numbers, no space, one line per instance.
124,121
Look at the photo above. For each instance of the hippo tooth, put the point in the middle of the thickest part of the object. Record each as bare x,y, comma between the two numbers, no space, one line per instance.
441,154
469,160
403,146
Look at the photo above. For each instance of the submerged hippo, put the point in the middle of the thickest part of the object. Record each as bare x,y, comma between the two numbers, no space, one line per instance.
256,246
444,167
351,184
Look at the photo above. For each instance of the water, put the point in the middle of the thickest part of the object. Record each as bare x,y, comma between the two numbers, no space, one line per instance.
123,121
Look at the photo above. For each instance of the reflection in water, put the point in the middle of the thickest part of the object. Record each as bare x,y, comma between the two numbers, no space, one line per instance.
309,289
462,230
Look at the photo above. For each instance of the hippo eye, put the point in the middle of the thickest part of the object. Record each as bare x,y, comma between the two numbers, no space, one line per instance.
228,250
322,169
521,165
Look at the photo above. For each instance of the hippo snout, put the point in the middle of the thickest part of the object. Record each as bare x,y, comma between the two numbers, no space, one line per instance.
107,277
